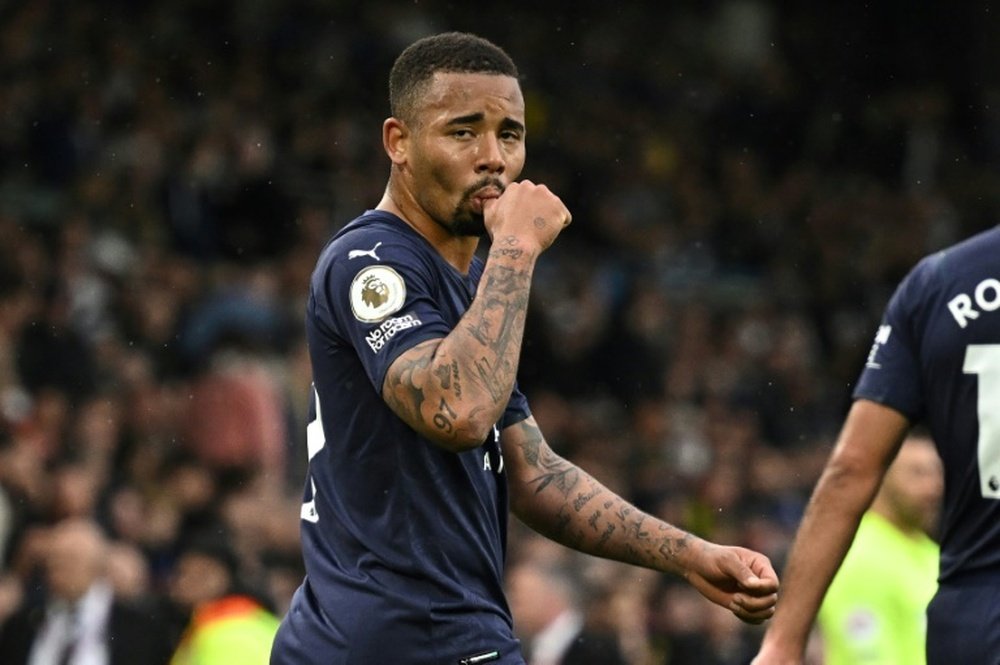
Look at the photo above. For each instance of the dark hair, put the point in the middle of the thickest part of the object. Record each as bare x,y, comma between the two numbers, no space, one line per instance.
458,52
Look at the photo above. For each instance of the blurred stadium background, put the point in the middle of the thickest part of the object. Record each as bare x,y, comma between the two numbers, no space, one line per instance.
749,180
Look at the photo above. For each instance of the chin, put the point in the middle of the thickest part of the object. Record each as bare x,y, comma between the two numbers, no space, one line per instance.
468,226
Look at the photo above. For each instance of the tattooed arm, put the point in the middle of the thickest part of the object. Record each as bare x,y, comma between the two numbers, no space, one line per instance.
563,502
454,390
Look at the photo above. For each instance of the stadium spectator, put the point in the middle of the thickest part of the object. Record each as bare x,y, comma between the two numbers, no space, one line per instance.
550,606
227,623
77,619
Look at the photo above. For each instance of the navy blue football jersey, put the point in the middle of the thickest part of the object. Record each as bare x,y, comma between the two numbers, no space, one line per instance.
403,541
936,359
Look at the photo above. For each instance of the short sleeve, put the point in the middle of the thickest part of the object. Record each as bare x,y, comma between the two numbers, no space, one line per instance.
891,374
380,303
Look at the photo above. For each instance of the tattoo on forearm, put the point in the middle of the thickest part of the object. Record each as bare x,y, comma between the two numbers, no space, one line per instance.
531,444
634,528
583,499
512,253
562,523
670,548
493,379
609,529
585,515
558,473
594,516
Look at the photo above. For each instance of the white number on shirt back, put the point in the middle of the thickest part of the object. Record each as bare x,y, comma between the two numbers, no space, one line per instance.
983,360
315,440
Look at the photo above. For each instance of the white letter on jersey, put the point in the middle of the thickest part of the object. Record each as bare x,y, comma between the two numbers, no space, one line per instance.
981,290
987,297
961,309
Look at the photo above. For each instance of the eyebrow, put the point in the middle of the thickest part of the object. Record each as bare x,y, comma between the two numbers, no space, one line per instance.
472,118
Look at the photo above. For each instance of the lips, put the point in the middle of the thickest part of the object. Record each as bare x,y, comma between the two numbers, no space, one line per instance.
481,196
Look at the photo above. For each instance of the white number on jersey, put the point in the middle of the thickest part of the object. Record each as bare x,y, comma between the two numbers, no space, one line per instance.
315,440
983,360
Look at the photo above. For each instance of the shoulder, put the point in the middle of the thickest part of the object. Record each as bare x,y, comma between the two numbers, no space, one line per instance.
972,254
375,238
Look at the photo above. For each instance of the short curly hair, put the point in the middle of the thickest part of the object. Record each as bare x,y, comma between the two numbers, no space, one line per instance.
458,52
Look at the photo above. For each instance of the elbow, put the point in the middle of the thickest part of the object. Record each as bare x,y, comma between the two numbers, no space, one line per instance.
852,478
467,434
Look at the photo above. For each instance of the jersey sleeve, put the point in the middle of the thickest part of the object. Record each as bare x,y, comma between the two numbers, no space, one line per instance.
517,409
380,306
891,374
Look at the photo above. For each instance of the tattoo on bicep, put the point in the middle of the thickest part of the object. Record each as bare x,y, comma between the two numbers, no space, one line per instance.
445,417
443,373
448,376
403,393
456,382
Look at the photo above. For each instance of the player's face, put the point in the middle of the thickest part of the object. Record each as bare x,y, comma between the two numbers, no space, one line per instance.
467,146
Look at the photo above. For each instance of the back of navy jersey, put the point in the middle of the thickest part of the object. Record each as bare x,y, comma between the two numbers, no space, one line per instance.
403,541
936,359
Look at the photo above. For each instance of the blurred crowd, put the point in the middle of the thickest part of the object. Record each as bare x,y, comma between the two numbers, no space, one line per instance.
748,179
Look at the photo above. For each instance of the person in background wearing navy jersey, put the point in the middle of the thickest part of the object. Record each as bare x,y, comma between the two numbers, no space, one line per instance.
936,359
420,441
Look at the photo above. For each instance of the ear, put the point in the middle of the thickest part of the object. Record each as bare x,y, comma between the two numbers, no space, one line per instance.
395,140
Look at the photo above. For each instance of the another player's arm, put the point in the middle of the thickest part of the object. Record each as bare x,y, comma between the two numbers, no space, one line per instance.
568,505
868,442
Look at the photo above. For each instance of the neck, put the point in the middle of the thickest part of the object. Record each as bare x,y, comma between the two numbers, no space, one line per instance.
456,250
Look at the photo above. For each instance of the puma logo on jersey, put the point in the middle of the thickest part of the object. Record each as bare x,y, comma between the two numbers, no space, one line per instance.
355,253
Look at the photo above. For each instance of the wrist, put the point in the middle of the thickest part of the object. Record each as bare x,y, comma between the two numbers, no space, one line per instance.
514,247
684,553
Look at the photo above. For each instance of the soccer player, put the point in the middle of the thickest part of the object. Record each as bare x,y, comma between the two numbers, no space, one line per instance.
874,611
936,359
421,441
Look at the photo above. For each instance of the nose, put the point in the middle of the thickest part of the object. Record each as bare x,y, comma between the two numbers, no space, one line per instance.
489,156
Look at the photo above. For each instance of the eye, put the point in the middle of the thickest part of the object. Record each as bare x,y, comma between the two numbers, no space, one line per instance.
510,135
463,133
